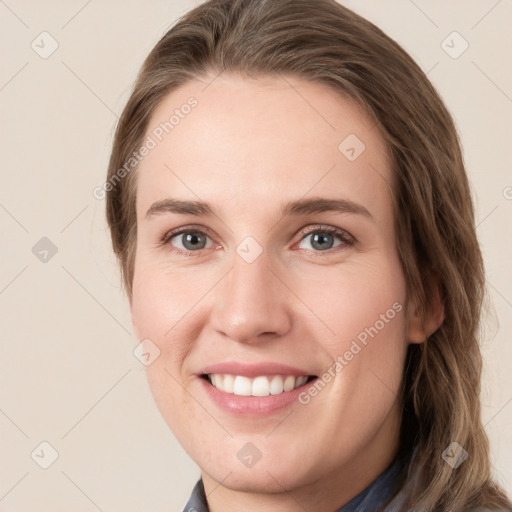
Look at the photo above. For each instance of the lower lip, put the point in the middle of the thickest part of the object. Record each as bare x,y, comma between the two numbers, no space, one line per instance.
251,405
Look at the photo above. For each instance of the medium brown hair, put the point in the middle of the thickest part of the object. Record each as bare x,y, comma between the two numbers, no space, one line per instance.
324,42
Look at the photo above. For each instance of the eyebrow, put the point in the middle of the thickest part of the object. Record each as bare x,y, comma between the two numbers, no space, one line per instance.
299,207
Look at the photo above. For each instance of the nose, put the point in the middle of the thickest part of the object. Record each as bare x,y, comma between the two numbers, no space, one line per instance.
252,302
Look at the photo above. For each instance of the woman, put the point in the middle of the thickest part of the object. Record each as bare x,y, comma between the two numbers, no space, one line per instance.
289,204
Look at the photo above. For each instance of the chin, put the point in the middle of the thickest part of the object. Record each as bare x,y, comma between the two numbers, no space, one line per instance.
258,479
274,471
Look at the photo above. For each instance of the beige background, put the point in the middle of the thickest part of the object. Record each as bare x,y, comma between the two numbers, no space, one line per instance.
67,372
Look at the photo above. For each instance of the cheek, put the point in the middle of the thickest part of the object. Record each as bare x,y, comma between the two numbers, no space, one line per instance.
358,301
364,305
168,309
162,299
160,304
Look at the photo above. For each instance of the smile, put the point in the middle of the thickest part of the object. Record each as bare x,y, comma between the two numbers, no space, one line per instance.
263,385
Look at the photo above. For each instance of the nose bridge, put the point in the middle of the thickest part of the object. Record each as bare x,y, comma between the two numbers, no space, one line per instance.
251,300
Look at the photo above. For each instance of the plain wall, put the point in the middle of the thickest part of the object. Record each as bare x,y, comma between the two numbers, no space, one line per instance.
67,372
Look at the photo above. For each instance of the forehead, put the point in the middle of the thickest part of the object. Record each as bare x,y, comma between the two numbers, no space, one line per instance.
259,139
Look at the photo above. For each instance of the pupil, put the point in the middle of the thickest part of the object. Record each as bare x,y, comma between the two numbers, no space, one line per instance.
320,239
193,239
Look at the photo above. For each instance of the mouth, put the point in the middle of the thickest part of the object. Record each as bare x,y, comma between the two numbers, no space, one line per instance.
258,386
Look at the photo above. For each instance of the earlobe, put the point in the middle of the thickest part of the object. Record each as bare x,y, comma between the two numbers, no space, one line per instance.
420,327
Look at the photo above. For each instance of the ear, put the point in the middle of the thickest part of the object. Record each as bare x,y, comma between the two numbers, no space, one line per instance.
418,328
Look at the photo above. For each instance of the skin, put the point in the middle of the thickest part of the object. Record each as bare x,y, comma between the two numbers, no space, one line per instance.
250,146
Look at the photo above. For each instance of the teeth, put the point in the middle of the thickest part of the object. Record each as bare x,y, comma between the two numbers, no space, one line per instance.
301,381
243,386
276,386
289,383
228,384
259,386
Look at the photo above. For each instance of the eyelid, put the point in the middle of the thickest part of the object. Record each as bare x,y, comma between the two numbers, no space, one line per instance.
327,229
168,235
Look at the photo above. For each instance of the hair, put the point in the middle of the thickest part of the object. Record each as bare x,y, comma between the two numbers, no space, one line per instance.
434,217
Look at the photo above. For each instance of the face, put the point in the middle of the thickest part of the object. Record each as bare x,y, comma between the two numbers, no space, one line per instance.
278,303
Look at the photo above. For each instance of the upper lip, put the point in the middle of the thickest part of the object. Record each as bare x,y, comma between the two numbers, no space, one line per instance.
253,370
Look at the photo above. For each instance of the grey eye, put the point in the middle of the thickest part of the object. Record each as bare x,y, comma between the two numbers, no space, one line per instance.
322,240
190,240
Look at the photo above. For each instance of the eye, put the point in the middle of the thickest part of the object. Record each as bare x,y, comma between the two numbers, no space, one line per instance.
324,238
188,240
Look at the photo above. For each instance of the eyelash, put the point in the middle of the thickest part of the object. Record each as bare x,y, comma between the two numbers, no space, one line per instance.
346,239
